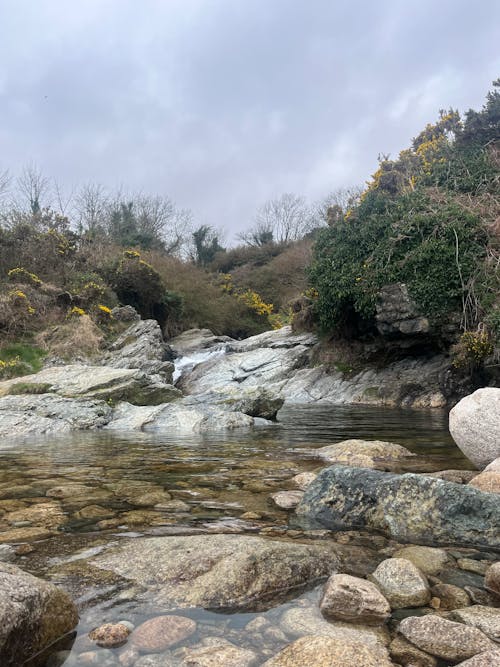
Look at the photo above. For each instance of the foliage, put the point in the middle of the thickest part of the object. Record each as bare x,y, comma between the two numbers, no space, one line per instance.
206,244
472,349
413,224
20,359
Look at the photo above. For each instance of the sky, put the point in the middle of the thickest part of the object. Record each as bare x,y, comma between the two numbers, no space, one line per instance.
224,104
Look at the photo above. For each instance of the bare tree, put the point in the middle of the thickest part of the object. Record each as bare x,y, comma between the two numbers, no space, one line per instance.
288,218
5,182
63,199
91,206
33,190
335,205
158,217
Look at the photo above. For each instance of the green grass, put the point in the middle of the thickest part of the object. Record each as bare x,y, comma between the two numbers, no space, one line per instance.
20,359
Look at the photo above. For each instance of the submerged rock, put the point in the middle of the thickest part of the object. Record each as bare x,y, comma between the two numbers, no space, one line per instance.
161,632
475,426
219,571
409,507
287,500
110,635
33,615
323,651
364,453
217,652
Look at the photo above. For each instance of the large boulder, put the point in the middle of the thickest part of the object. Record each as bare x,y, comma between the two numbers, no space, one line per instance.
410,508
397,314
141,346
195,340
475,425
49,414
33,615
219,571
95,382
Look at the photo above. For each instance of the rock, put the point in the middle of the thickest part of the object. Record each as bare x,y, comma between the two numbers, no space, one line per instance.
91,512
410,508
444,639
492,579
402,583
142,346
128,657
404,653
161,632
173,506
194,340
49,414
456,476
307,620
28,534
475,427
322,651
48,515
181,417
397,314
287,500
7,553
364,453
494,466
110,635
33,615
429,560
217,652
472,565
157,660
303,479
410,382
486,659
347,598
219,571
486,619
125,314
488,481
450,597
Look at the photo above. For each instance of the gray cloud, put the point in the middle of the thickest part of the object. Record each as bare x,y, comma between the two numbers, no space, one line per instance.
222,104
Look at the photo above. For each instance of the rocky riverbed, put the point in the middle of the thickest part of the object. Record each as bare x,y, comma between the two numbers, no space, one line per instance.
221,522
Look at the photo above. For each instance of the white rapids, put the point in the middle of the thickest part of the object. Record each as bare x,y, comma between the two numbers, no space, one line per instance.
188,362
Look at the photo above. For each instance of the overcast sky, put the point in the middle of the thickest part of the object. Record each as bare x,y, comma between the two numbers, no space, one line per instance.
222,104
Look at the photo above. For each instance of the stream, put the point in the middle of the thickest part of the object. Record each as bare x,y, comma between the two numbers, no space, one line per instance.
105,488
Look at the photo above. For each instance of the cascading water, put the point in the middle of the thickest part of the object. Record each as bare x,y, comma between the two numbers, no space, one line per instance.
188,362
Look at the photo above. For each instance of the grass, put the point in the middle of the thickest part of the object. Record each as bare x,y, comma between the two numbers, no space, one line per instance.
20,359
21,388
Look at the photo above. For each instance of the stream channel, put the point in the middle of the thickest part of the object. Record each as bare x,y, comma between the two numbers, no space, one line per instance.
215,479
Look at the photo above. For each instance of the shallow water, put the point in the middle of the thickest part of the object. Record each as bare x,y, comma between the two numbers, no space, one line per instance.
219,477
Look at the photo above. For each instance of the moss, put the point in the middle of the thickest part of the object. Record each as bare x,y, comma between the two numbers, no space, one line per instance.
30,388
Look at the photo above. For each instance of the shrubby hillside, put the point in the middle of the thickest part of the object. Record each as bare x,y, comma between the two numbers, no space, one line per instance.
429,221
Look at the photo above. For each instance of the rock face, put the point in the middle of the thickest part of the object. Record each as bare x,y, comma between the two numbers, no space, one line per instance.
364,453
99,382
219,571
33,615
194,340
50,414
410,508
486,619
402,583
142,346
347,598
322,651
397,313
445,639
475,426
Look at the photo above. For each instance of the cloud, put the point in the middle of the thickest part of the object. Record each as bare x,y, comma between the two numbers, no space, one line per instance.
223,104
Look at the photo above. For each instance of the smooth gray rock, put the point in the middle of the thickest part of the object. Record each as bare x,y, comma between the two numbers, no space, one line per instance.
195,340
475,426
99,382
33,615
219,571
49,414
411,508
141,346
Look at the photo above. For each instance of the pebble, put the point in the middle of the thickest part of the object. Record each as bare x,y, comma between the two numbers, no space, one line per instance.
110,635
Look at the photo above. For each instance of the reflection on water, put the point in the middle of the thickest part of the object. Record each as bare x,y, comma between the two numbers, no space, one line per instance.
85,491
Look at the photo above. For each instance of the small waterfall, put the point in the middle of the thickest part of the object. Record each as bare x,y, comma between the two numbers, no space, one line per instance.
188,362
